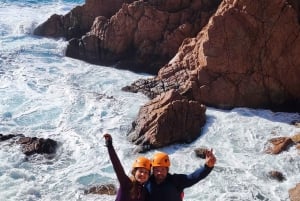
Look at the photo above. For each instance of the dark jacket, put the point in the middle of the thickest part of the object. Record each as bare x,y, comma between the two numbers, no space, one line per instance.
125,182
172,187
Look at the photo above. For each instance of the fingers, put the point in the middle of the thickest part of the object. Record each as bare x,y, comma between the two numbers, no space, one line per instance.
209,153
108,140
210,158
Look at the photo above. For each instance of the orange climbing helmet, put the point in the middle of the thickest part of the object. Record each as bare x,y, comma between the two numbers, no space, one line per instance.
160,159
142,162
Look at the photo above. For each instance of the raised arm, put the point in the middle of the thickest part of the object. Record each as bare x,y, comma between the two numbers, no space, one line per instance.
184,181
119,170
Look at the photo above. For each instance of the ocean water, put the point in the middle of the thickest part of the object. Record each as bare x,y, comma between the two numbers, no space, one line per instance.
45,94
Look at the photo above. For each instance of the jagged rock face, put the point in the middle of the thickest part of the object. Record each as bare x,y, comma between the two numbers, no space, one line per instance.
246,56
138,35
254,46
79,20
143,33
167,119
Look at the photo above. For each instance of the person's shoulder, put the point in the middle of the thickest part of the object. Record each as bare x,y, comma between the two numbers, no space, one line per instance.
176,176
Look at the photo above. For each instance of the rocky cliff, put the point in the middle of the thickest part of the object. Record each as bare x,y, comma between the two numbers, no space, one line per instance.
138,35
246,56
225,54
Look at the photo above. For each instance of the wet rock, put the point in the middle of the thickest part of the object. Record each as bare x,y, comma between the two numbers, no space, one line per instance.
108,189
279,144
31,145
276,175
167,119
200,152
295,193
6,137
296,138
37,145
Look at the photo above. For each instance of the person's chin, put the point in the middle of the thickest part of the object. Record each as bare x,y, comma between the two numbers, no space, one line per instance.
160,179
142,181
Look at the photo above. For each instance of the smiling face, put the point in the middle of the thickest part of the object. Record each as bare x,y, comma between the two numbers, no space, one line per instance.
141,175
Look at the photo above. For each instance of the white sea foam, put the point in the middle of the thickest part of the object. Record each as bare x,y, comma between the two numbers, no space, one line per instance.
44,94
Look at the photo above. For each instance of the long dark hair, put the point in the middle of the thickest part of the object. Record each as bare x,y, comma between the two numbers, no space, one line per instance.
135,190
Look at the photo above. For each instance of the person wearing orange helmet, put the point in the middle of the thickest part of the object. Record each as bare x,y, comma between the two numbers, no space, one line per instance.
164,186
131,188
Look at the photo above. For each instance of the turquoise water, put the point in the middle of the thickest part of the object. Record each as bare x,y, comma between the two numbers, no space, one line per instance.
45,94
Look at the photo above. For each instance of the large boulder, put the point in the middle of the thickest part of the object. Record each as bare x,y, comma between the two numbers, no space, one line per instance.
167,119
32,145
279,144
35,145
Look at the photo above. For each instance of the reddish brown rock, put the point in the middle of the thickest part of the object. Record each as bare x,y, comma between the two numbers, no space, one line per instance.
279,144
130,34
79,20
295,193
246,56
276,175
108,189
296,138
167,119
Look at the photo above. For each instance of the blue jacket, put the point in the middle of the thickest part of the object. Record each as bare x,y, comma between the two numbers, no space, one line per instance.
125,182
172,187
